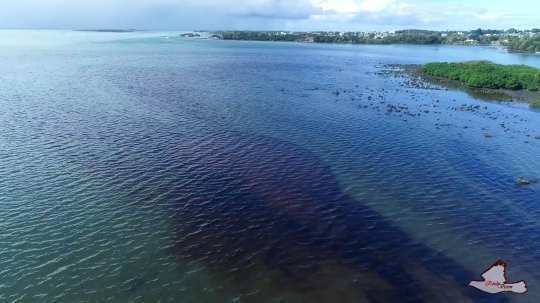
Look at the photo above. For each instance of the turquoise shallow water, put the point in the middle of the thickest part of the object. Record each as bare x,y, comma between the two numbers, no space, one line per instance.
142,169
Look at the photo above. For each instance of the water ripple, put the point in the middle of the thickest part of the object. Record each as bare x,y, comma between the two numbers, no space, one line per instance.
175,172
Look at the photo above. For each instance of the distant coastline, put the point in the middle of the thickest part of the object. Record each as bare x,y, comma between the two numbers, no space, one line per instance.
110,30
413,36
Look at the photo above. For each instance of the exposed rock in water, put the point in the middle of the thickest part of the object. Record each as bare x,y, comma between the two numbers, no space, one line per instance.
524,181
487,135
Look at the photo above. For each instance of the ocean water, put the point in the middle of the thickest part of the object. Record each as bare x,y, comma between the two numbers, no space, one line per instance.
136,168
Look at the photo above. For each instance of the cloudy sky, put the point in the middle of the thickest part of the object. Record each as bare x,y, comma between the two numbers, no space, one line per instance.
354,15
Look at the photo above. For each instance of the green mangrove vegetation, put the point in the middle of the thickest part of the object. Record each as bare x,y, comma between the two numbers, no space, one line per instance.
486,74
525,44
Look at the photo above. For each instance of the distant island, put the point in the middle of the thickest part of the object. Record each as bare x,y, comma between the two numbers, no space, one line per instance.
408,36
190,35
110,30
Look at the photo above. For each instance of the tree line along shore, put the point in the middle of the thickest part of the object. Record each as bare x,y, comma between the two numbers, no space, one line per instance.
525,44
516,40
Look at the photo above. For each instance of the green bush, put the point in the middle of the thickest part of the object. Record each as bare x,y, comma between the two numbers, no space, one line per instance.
487,74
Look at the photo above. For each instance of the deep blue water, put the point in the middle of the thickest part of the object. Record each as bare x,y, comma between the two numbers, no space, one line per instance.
142,169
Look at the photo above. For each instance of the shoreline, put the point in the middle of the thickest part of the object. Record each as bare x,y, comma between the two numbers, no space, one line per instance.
352,43
513,51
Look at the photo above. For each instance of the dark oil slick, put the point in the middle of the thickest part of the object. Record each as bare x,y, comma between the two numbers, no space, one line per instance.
270,213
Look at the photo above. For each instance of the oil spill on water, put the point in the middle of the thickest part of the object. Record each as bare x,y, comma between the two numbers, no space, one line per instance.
272,218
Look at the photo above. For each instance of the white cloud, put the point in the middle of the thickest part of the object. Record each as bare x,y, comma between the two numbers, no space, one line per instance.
344,11
337,6
306,14
377,5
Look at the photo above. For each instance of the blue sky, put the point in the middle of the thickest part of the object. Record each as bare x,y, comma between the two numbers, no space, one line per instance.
353,15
